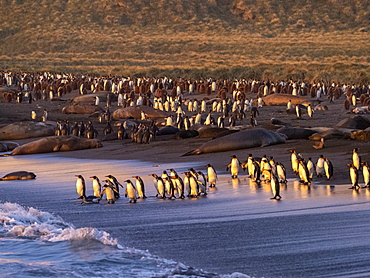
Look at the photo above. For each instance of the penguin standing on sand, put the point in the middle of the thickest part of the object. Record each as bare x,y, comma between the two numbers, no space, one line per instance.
353,174
96,186
320,171
356,159
116,185
80,187
310,168
191,184
159,186
130,191
110,191
281,172
294,160
366,174
202,181
177,182
140,187
255,169
309,110
275,186
303,172
170,189
211,175
328,167
234,167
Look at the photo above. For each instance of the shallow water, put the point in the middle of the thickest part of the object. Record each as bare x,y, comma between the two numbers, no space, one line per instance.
317,231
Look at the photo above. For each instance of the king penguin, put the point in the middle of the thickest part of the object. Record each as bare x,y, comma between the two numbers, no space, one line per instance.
275,186
140,187
159,186
211,175
353,174
80,187
328,167
131,191
281,172
96,186
356,159
366,174
110,191
115,184
234,167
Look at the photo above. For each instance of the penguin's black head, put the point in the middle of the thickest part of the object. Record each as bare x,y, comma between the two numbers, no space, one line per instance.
94,177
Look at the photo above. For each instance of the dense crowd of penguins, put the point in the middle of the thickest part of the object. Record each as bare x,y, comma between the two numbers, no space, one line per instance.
229,106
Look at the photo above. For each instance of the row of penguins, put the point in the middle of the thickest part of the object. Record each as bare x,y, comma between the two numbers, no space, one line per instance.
172,186
169,185
267,170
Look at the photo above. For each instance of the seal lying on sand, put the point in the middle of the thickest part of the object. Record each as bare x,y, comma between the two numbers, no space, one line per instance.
57,144
80,108
296,132
26,129
282,99
19,175
240,140
135,112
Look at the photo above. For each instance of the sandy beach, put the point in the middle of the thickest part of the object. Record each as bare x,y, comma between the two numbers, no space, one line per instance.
316,231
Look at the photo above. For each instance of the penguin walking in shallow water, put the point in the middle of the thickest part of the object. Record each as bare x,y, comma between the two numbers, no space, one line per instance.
178,183
202,181
255,171
275,186
310,168
328,167
353,174
139,183
366,174
234,167
170,189
96,186
211,175
131,191
80,187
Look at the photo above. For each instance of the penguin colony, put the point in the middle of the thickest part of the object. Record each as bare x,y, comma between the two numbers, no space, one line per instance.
168,185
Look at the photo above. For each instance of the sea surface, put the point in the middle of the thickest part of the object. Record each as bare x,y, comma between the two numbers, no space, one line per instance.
235,231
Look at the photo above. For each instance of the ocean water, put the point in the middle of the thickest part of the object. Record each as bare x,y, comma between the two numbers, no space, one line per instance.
234,231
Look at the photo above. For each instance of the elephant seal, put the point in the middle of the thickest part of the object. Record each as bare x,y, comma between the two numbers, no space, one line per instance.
91,97
214,132
8,146
183,134
332,133
250,138
168,130
26,129
19,175
80,108
56,144
295,132
135,112
357,122
282,99
362,135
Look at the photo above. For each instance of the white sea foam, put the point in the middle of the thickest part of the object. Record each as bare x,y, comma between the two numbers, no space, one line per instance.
18,221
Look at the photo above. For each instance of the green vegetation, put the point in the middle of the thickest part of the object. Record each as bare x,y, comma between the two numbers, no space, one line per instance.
240,38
